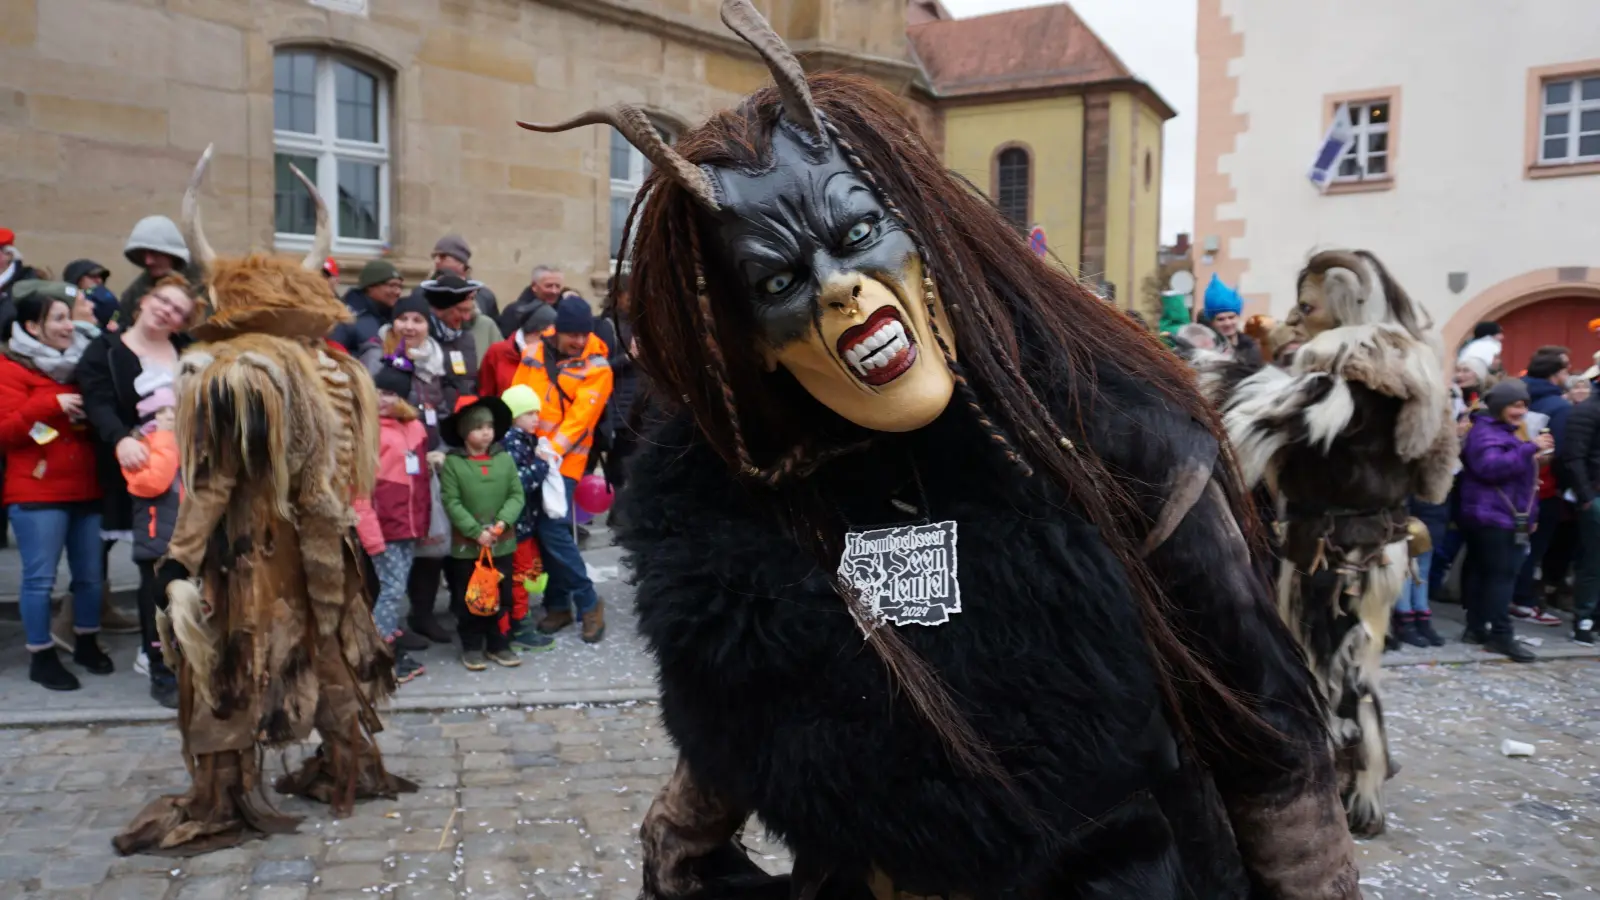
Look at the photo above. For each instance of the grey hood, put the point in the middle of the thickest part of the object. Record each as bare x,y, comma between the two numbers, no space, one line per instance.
157,233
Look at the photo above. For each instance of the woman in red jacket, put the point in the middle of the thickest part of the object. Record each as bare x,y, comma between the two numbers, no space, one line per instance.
51,489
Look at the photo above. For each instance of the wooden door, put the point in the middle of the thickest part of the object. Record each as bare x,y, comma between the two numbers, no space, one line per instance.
1561,321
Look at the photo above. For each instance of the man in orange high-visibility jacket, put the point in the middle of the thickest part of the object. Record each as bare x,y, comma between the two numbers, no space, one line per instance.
568,369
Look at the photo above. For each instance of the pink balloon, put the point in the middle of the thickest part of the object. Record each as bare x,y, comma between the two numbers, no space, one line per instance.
593,495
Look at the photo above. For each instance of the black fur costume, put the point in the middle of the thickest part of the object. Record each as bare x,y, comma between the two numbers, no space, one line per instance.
779,708
1099,719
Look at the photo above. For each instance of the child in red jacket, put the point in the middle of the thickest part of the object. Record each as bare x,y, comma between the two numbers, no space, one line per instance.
402,500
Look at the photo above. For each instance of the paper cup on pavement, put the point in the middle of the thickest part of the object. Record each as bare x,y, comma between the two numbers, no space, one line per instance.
1515,748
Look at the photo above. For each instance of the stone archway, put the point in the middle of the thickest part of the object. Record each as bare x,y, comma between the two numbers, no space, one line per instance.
1574,288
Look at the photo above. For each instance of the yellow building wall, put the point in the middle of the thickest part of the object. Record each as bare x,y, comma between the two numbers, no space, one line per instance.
1053,130
1146,209
1119,198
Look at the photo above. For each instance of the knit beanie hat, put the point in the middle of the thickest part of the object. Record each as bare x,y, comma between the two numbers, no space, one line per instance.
454,245
573,316
1502,395
411,303
520,398
1221,299
1478,367
377,272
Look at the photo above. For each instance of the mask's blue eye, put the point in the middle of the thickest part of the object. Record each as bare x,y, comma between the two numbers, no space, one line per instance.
778,283
858,232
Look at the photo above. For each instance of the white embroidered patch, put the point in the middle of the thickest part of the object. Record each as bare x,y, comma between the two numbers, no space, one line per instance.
905,575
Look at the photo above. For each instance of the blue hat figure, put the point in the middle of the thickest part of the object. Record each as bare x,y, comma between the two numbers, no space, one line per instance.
1221,299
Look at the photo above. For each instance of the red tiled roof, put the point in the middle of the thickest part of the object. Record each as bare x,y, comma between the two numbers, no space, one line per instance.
1041,47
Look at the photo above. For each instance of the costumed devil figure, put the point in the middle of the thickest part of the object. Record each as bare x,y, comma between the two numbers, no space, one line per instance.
1359,421
268,624
946,572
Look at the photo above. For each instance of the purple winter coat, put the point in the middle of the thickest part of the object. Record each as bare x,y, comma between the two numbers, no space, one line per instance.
1495,461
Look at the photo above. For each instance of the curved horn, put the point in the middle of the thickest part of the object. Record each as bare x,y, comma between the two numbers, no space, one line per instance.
635,126
748,23
193,234
322,241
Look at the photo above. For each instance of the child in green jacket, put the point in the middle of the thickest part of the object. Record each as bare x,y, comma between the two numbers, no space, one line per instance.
482,496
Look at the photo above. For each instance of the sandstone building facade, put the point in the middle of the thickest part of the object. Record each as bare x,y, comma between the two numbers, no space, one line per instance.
405,111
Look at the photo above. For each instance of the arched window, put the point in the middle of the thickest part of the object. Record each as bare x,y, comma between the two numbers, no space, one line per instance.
1012,188
628,171
330,118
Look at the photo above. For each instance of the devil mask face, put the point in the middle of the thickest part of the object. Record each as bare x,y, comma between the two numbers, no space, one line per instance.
834,284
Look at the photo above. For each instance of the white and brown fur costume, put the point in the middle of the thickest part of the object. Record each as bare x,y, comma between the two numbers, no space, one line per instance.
274,635
1358,422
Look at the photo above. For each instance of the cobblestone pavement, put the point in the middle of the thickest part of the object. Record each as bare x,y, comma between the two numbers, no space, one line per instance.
544,803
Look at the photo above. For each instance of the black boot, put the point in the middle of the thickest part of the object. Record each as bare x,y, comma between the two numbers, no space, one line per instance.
1508,646
1426,630
89,655
46,669
410,640
430,628
1409,634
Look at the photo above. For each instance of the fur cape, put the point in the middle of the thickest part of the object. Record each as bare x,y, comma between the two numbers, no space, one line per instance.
779,709
1360,423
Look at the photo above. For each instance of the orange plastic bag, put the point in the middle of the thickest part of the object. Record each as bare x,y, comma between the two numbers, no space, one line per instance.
483,591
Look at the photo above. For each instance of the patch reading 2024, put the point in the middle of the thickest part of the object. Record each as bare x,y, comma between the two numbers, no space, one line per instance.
904,575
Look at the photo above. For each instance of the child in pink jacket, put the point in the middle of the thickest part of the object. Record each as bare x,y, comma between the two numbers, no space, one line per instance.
402,501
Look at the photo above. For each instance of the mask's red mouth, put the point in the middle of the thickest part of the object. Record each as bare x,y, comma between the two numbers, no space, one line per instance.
878,350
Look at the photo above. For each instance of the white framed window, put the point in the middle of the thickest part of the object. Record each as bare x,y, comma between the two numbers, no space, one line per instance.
628,171
331,119
1569,121
1367,159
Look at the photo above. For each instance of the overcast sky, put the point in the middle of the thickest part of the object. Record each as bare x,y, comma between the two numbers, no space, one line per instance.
1155,38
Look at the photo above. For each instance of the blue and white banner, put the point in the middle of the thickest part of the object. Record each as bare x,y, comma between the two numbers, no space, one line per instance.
1341,134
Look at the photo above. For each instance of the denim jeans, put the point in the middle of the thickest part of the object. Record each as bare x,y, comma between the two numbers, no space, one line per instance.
569,583
1414,593
42,533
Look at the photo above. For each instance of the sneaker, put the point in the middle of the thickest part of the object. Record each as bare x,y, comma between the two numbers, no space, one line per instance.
87,653
45,668
505,658
410,640
1541,616
1583,632
1522,612
525,638
554,620
594,623
406,668
1509,647
141,662
165,691
474,660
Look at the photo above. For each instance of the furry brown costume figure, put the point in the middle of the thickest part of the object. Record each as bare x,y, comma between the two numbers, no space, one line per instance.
268,625
1358,422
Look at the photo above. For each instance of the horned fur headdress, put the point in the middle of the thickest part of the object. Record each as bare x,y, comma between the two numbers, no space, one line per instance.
259,293
1358,290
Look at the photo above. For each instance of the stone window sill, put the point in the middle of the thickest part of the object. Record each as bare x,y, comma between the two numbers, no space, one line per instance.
1360,187
1564,171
